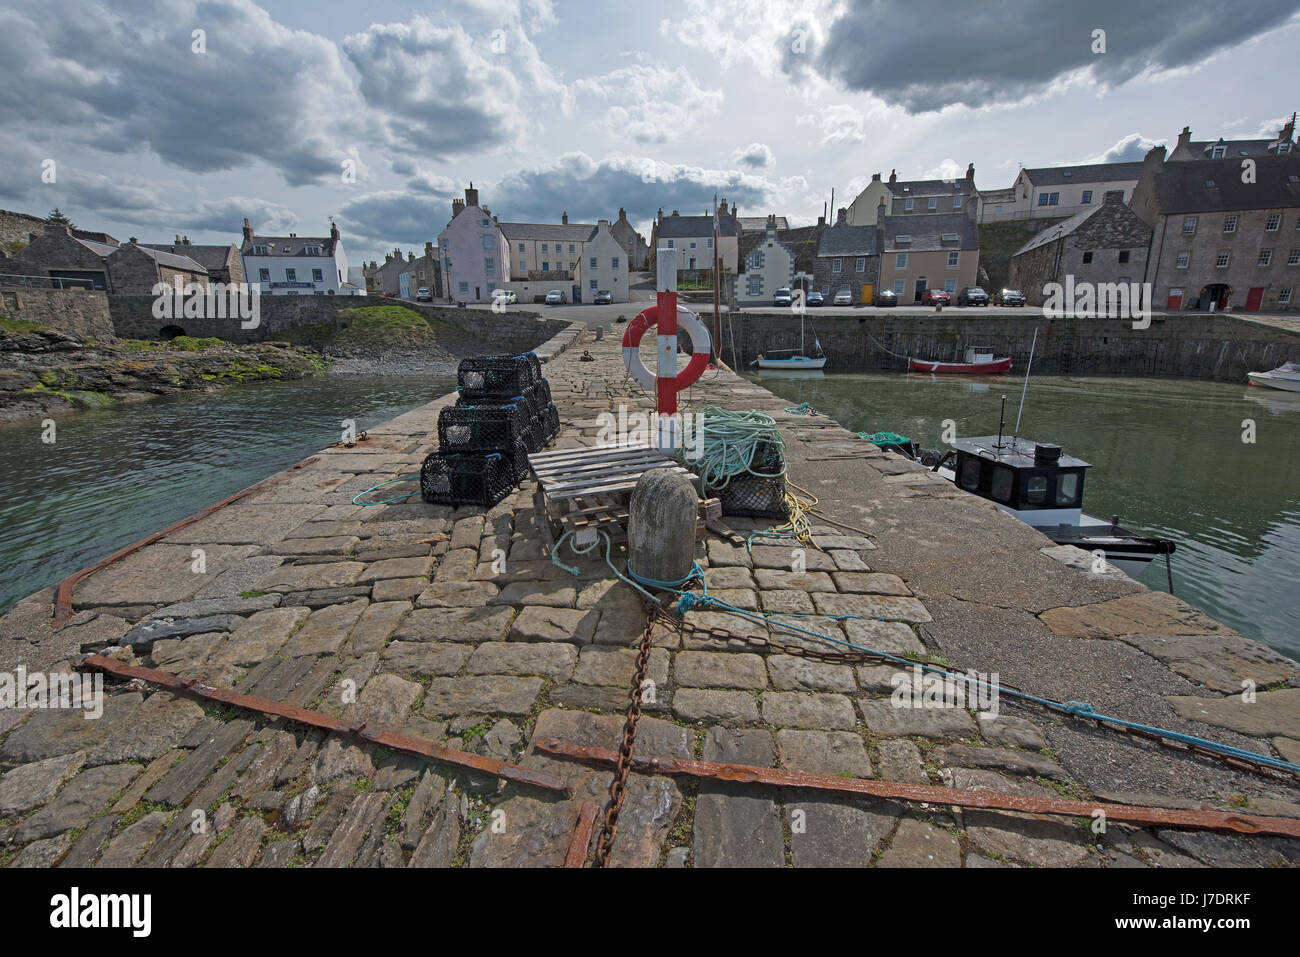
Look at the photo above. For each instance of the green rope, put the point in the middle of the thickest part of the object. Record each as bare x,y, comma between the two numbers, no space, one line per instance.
803,408
387,501
728,443
885,438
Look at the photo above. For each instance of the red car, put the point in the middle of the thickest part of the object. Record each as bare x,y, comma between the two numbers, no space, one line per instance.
935,297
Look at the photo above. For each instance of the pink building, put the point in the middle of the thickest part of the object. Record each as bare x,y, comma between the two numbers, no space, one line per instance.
475,253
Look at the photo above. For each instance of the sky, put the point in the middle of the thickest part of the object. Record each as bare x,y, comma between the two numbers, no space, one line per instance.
152,118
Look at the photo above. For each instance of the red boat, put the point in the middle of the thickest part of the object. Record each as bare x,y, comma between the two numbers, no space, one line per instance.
979,361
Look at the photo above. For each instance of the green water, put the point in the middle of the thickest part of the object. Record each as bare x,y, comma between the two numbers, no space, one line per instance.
114,476
1167,456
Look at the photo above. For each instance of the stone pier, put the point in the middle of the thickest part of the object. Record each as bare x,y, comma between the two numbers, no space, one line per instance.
405,616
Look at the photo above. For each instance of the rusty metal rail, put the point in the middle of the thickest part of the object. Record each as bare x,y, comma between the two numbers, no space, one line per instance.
317,719
581,840
68,587
1202,820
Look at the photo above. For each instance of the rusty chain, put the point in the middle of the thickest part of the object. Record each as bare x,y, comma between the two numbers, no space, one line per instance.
618,787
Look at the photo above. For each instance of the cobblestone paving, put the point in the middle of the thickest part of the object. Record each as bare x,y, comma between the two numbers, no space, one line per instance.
401,616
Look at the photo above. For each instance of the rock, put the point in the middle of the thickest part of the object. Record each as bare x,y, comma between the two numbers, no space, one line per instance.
32,785
891,637
900,760
555,661
325,631
142,637
1146,613
125,849
44,853
352,830
704,669
414,659
258,637
599,665
1272,712
795,710
796,673
737,825
889,608
299,808
693,704
1012,732
554,624
824,752
918,844
938,723
77,802
480,695
470,625
240,848
455,594
1025,763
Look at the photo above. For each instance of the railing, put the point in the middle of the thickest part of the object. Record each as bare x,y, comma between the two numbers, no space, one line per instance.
47,282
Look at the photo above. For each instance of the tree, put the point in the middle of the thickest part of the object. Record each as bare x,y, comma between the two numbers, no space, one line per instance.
56,218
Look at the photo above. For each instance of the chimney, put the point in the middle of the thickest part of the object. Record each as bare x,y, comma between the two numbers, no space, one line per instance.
186,240
674,212
471,196
722,208
248,232
970,174
893,177
821,220
334,231
1184,137
410,257
457,207
133,240
178,238
842,216
622,214
428,250
661,213
564,217
1156,156
1113,197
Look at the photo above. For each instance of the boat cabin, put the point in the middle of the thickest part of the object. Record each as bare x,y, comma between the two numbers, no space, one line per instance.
979,354
1021,475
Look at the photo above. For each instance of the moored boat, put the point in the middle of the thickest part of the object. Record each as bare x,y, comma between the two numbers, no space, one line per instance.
1285,377
793,359
979,361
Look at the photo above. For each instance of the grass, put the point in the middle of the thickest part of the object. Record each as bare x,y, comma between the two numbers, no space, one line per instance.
19,325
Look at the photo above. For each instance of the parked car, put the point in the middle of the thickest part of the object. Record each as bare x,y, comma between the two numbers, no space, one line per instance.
506,297
390,295
815,299
844,297
556,297
603,297
782,297
972,296
935,297
423,295
1009,297
886,297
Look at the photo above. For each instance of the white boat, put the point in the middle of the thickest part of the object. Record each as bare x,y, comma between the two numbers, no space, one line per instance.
1041,486
793,359
1285,377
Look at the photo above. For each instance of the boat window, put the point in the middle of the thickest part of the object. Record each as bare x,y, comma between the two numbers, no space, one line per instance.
970,474
1036,490
1067,488
1002,480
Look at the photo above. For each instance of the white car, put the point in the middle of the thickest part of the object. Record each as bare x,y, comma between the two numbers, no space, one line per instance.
555,297
423,295
844,297
782,297
506,297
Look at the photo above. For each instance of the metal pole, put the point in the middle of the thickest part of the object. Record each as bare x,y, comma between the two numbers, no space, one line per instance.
1026,386
717,321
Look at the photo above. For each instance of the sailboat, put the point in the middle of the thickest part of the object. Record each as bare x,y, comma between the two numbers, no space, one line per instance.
796,359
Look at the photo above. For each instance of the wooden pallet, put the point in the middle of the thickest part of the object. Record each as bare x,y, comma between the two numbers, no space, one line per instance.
589,489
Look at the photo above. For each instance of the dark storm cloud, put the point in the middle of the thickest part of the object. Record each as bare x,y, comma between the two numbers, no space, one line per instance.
982,54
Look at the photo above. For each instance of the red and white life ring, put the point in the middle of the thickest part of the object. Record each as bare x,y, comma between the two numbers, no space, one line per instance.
700,345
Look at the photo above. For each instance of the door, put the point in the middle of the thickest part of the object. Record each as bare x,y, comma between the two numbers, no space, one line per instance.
1175,300
868,292
577,293
921,285
1253,298
476,296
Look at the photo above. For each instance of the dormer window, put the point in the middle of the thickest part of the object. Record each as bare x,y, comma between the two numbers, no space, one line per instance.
311,250
951,237
1218,152
1209,184
903,239
260,251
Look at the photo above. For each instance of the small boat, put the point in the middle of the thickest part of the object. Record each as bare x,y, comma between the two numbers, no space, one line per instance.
1285,377
793,359
979,361
1043,487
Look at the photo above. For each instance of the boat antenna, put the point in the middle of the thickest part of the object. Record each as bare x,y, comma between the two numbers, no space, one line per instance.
1025,388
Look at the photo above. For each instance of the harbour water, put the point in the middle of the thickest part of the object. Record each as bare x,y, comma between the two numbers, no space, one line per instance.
114,476
1213,466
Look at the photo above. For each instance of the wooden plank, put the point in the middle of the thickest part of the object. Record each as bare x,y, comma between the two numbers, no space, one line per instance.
616,478
578,461
559,455
627,471
649,461
574,493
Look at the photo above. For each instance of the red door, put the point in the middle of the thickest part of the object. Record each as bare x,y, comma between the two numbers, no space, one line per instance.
1254,298
1174,302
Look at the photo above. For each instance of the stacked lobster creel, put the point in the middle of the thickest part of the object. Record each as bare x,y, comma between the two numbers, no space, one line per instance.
503,412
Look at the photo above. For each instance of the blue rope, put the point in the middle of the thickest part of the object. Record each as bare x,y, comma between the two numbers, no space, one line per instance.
688,601
387,501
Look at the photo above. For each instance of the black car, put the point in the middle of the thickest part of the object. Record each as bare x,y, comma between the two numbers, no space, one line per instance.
1009,297
886,297
972,296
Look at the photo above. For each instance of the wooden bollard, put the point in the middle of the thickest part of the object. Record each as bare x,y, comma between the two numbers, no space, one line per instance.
661,526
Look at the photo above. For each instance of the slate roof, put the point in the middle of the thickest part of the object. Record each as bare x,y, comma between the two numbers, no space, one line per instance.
927,232
749,224
687,227
99,249
290,245
209,257
172,260
1053,233
560,232
1265,147
1184,187
1093,173
912,188
848,241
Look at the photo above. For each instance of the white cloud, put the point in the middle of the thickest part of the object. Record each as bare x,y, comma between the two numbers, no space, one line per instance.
650,104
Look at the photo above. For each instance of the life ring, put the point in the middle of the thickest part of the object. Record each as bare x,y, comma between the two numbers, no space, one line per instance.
700,343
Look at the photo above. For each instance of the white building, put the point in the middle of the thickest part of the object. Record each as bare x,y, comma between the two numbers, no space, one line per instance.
603,266
297,265
769,266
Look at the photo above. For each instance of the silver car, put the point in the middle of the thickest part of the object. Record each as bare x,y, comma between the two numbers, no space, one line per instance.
782,297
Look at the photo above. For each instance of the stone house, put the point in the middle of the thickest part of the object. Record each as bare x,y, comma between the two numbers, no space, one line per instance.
1219,242
223,264
1188,149
1105,244
632,242
423,271
769,265
135,270
692,239
59,256
918,252
848,259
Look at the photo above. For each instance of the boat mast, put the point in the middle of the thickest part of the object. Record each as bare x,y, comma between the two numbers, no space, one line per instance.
1025,388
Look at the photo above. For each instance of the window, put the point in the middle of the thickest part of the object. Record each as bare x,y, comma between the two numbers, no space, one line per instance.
1049,199
956,202
670,244
464,286
860,264
1209,184
1294,258
523,248
970,474
1184,259
1223,259
1087,196
484,221
1036,489
1265,257
900,261
1002,482
570,247
951,237
521,265
1087,257
487,241
264,275
692,245
837,265
1123,255
755,284
1273,222
311,250
954,259
546,248
593,284
1067,488
546,267
613,262
708,243
1189,225
593,262
571,265
907,205
899,286
1218,152
317,276
491,286
489,265
291,275
422,274
1042,199
933,203
1284,294
1229,224
260,251
997,210
950,286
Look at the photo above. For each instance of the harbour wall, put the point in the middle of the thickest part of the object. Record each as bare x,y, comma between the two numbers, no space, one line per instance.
1215,347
